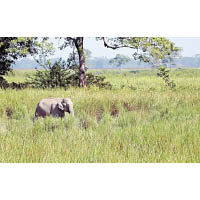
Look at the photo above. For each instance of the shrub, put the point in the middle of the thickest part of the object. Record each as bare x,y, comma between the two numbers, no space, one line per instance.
97,80
5,85
61,74
52,75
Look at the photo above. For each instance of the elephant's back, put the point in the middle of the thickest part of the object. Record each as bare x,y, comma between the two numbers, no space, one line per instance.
46,105
49,101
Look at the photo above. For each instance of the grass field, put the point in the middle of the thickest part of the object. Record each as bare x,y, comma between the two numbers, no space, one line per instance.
139,120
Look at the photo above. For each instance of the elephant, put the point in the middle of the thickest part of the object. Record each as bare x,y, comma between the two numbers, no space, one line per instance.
55,107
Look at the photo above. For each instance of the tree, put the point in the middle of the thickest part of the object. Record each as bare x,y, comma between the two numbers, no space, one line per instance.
77,43
73,59
144,48
119,60
12,48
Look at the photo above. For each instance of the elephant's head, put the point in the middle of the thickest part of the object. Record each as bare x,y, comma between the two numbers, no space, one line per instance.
66,105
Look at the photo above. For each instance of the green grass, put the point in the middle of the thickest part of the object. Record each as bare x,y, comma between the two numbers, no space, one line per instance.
140,120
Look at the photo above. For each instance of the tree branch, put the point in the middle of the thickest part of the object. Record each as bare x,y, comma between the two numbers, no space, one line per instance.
116,46
71,38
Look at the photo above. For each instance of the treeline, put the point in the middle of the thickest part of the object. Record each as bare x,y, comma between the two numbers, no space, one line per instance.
27,63
187,62
100,62
103,62
177,62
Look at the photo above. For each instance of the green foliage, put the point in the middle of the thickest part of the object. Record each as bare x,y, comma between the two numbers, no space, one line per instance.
144,48
13,85
63,74
163,72
12,48
52,76
98,81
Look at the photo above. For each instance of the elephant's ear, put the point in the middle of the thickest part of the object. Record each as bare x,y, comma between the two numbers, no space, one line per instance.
60,106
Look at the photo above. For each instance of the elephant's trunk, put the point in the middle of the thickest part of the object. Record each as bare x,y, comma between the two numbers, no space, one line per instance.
71,110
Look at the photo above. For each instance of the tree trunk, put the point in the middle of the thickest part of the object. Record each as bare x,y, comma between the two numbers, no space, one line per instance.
82,75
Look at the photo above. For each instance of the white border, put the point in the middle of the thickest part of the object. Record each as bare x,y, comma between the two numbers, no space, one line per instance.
99,181
91,18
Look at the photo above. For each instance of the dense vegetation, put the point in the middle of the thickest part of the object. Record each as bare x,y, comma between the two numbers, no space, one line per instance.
12,48
139,120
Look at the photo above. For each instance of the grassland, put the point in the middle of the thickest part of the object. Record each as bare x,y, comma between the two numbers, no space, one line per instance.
139,120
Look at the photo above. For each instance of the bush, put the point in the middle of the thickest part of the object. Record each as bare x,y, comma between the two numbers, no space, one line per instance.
5,85
97,80
62,75
51,76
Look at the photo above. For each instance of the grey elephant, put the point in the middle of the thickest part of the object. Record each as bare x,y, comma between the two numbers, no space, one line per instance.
55,107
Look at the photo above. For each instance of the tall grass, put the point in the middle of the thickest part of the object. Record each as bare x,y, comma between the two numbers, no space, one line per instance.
139,120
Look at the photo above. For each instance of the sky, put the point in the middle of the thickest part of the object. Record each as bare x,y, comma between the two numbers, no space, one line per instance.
190,46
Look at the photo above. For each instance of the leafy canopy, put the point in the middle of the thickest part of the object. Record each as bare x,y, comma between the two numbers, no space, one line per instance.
12,48
144,48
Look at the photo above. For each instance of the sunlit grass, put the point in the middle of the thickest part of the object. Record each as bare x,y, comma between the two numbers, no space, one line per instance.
142,121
